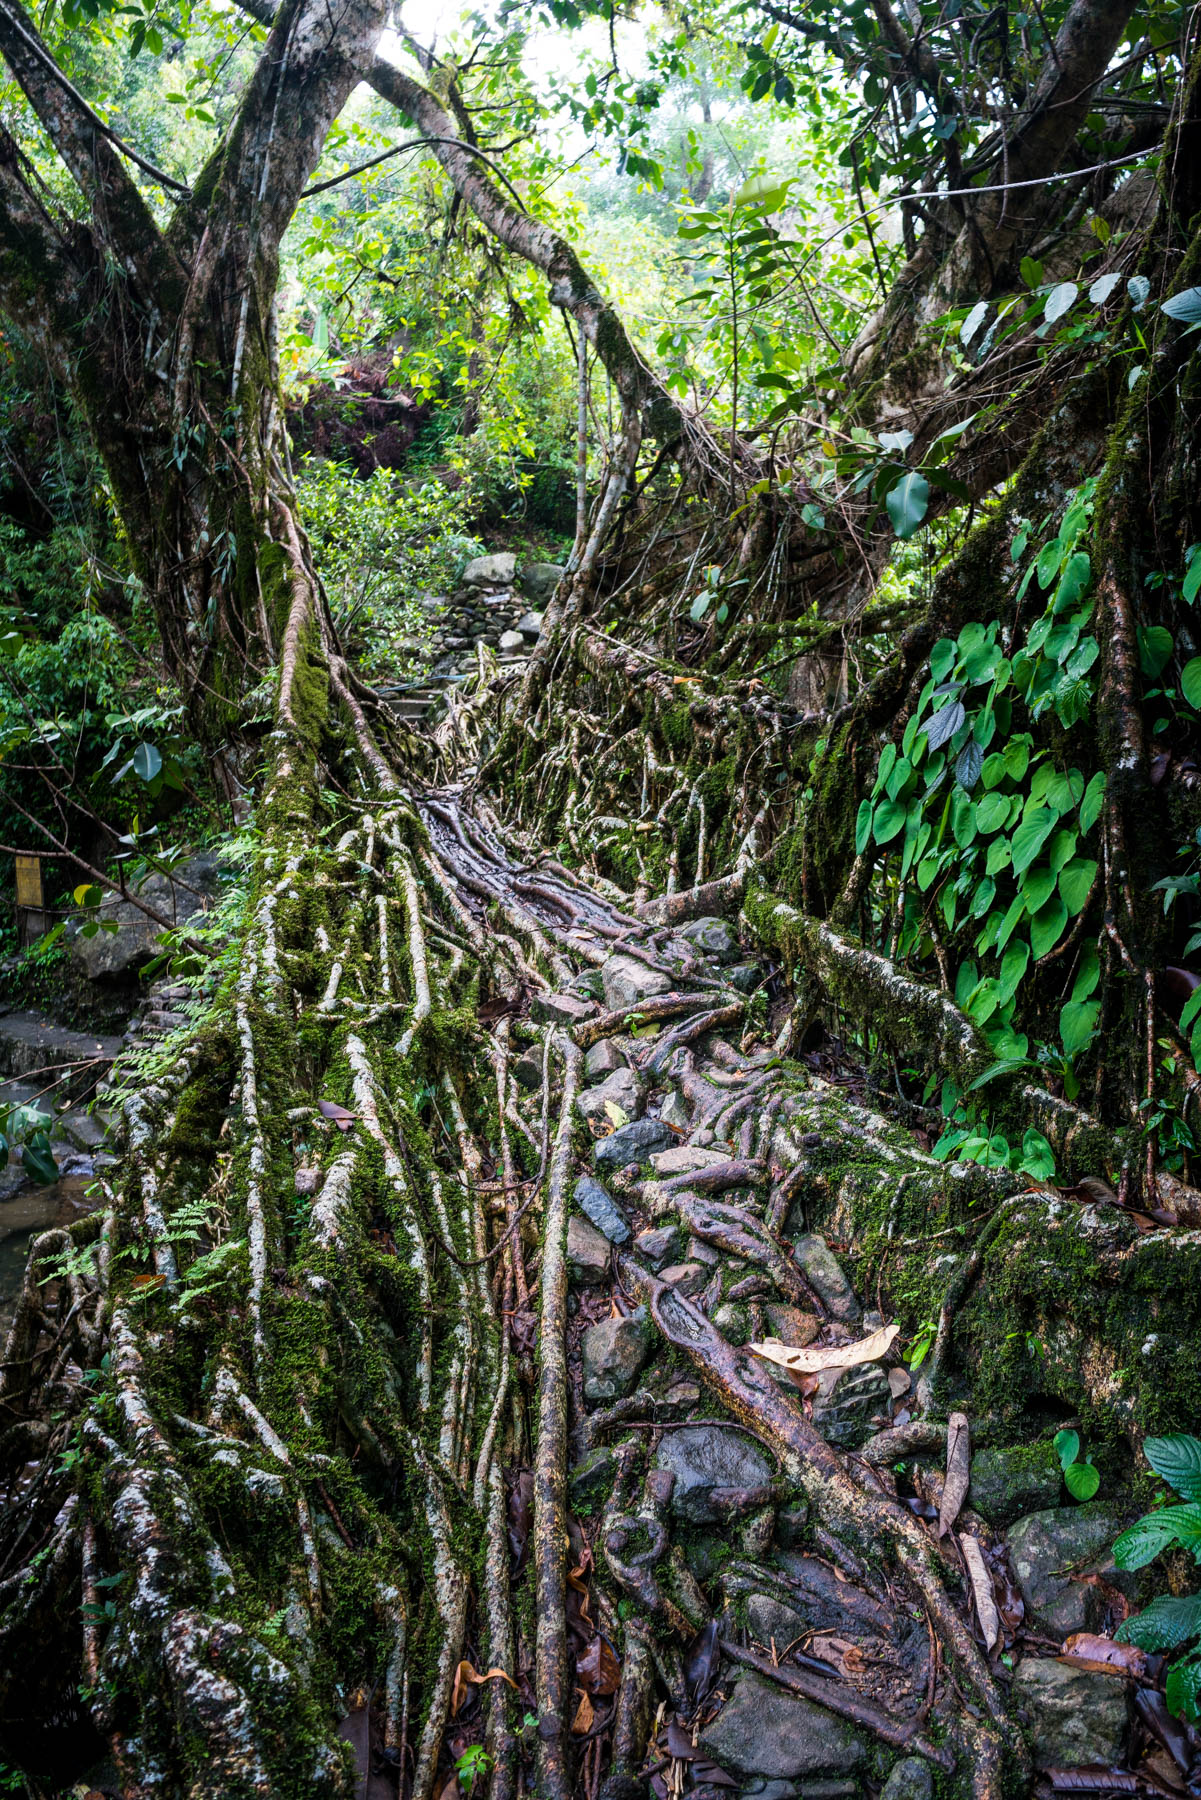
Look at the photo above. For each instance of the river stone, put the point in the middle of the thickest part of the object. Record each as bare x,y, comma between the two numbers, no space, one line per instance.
910,1779
824,1273
686,1159
686,1277
530,624
662,1245
587,1252
711,937
623,1088
498,570
1046,1549
704,1457
603,1059
769,1617
627,981
674,1111
1075,1716
538,581
560,1009
791,1325
1007,1483
613,1354
601,1209
510,641
761,1730
632,1143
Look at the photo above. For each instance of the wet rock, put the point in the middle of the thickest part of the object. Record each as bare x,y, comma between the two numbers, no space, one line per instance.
623,1089
849,1405
498,570
632,1143
592,1477
910,1779
613,1353
87,1131
824,1273
1074,1716
790,1324
674,1111
601,1208
792,1524
530,625
714,938
538,580
627,981
1006,1483
1047,1548
685,1159
744,977
770,1618
678,1400
686,1277
762,1730
704,1457
603,1059
732,1321
587,1252
696,1251
510,641
662,1245
178,896
560,1009
528,1070
830,1604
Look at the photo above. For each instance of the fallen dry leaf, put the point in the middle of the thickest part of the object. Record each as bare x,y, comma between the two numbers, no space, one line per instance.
815,1359
899,1382
1085,1650
466,1677
584,1715
982,1594
955,1484
342,1118
598,1669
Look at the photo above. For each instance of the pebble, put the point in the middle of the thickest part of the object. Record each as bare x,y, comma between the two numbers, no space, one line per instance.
600,1207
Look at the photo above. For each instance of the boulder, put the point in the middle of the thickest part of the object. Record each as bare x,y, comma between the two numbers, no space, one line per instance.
825,1275
632,1143
790,1324
1074,1715
714,938
744,977
770,1619
910,1779
659,1246
627,981
530,625
528,1070
704,1457
603,1059
560,1009
623,1089
762,1730
538,581
510,641
1006,1483
111,955
1046,1549
498,570
587,1252
600,1207
613,1354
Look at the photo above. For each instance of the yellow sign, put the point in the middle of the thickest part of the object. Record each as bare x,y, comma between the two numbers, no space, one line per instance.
29,881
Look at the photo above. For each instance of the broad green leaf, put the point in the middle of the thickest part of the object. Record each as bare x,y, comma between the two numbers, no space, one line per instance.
942,658
999,856
1038,885
1046,926
1038,1158
1192,576
1103,287
1049,559
1077,1024
898,778
1014,964
927,872
863,827
941,726
1017,912
1060,301
1190,680
908,502
1156,1532
968,764
992,812
1184,307
1073,582
1090,805
766,193
1075,883
963,818
1182,1688
1088,973
1017,757
884,767
1154,649
993,772
1178,1460
1164,1625
887,821
38,1159
1082,1480
1031,835
146,762
1067,1447
1062,847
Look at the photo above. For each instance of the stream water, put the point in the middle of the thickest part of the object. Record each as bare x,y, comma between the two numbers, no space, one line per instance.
22,1215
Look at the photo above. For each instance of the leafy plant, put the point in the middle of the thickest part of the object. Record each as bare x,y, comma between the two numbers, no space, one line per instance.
1081,1478
1171,1623
472,1766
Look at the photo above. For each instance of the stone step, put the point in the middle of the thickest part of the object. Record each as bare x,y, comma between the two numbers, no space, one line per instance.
71,1060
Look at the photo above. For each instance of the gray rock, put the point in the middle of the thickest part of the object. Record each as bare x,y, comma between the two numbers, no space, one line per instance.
1006,1483
538,581
686,1159
704,1457
560,1009
587,1252
613,1354
830,1604
603,1059
662,1245
744,977
732,1321
1046,1549
674,1111
87,1131
769,1617
528,1070
601,1209
760,1788
592,1477
685,1277
498,570
1075,1716
825,1275
628,981
630,1143
623,1089
761,1730
910,1779
510,641
696,1251
849,1404
712,937
678,1399
530,624
178,897
792,1525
